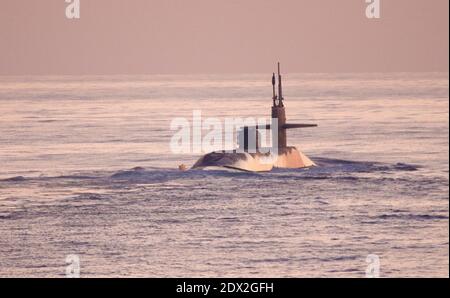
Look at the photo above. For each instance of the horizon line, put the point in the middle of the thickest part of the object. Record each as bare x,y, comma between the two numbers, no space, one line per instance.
220,73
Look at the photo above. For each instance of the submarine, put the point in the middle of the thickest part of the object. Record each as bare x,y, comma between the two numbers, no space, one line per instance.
250,156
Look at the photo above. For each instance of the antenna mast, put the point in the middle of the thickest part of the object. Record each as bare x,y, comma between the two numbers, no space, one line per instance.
280,87
274,97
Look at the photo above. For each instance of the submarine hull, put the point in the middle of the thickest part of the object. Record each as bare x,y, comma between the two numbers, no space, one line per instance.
289,157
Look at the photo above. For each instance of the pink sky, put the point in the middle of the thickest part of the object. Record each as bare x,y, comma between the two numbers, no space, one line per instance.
217,36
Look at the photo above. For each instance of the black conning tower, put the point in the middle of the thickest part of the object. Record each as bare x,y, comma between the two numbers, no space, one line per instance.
278,110
249,138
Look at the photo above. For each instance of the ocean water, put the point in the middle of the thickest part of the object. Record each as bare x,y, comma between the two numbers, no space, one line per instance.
86,169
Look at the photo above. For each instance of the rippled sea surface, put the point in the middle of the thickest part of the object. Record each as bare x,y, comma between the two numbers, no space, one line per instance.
86,169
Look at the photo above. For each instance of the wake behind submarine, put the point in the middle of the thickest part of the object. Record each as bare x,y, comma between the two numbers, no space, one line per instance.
250,156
